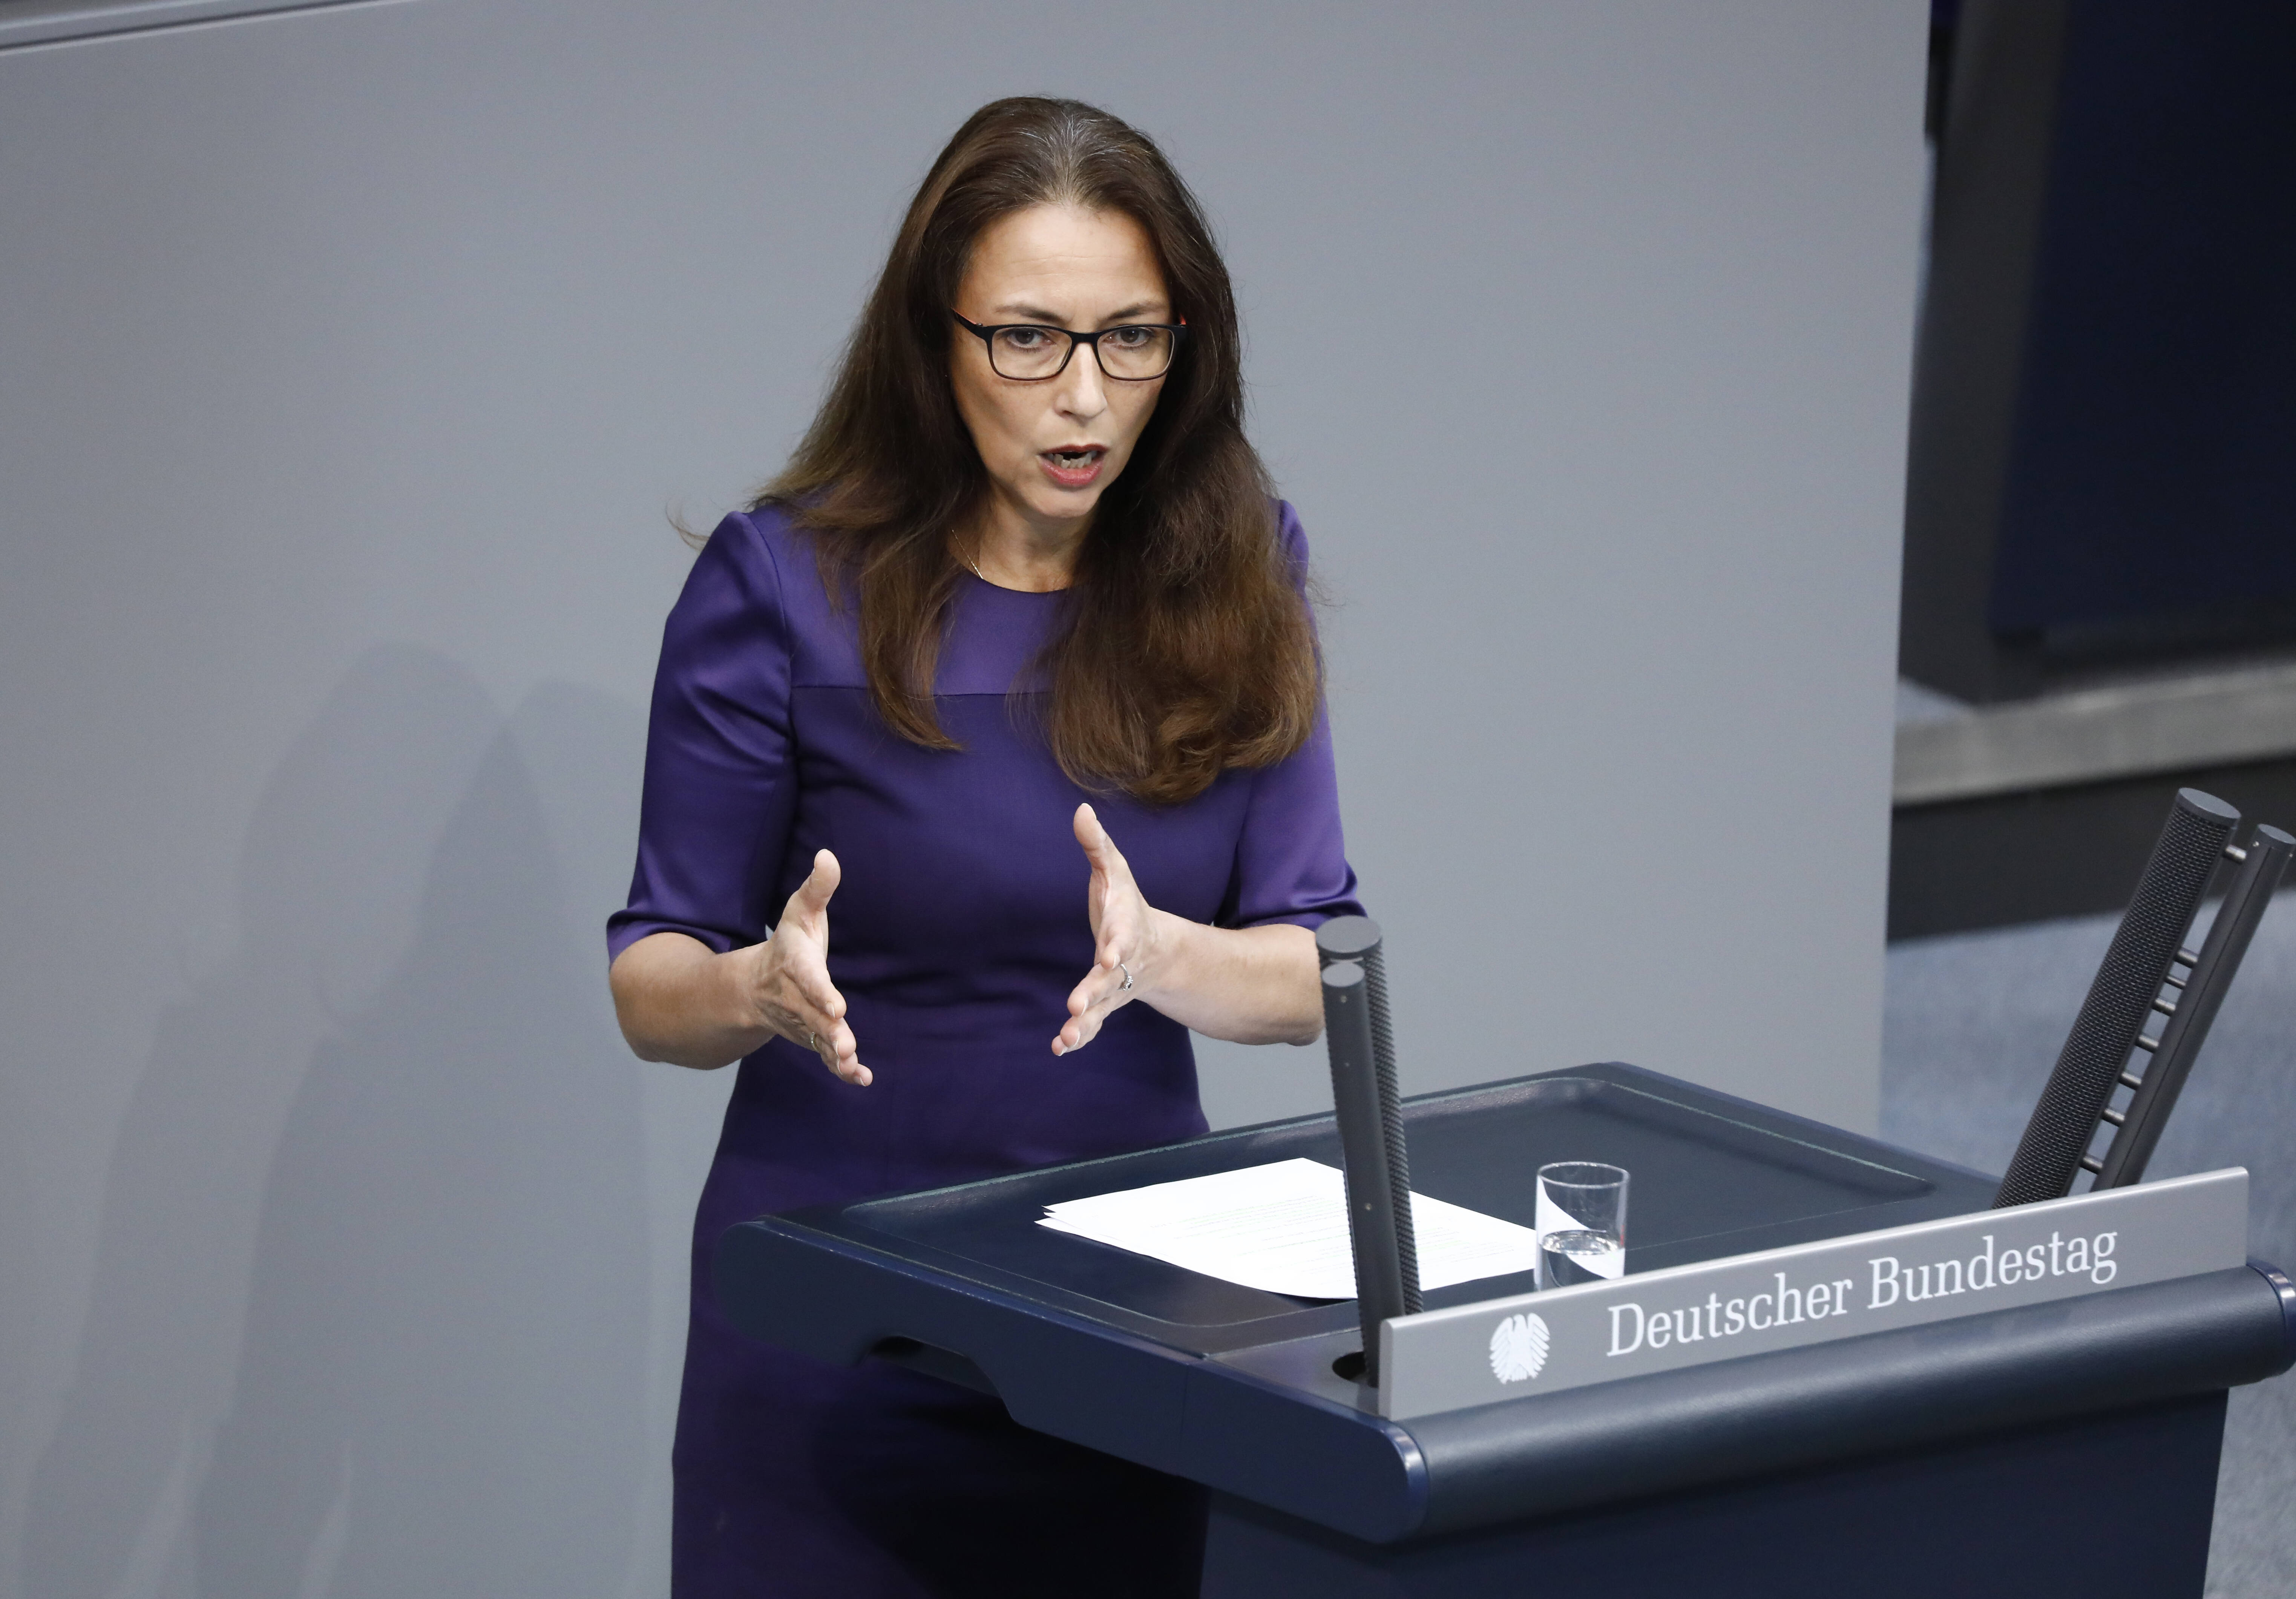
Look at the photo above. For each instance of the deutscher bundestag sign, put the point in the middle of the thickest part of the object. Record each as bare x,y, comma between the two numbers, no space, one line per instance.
1933,1271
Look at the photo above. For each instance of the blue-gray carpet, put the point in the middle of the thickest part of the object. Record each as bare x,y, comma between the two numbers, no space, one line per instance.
1973,1023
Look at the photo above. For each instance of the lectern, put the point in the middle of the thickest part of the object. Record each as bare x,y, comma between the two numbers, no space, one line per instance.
2034,1420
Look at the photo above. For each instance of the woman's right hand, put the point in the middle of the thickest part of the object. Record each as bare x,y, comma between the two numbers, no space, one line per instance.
789,980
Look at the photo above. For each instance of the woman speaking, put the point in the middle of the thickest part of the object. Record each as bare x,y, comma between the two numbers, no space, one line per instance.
1011,666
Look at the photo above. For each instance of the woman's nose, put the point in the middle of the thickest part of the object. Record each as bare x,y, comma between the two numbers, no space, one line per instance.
1083,390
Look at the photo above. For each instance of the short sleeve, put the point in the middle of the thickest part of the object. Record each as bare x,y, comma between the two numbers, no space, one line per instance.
715,819
1292,863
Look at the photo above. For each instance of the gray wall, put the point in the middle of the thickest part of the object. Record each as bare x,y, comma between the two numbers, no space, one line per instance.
349,360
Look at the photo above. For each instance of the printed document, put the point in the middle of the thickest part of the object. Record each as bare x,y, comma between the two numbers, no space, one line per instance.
1283,1228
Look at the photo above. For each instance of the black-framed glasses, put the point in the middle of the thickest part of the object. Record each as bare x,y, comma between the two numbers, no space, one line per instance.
1028,352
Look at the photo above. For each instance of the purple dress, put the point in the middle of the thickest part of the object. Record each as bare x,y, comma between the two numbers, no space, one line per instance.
955,936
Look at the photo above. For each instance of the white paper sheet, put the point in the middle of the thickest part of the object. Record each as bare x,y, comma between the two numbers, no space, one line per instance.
1282,1229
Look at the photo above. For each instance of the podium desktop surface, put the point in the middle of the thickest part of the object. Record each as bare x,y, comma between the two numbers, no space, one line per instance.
1233,1387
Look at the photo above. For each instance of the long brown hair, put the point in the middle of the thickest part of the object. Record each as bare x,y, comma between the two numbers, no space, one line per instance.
1187,648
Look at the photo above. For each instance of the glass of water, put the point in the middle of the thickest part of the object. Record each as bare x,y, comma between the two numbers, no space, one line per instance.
1581,1223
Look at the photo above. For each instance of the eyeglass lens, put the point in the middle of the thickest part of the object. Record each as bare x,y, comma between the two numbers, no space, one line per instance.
1035,352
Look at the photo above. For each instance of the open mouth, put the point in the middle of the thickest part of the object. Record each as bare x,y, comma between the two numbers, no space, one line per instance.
1075,469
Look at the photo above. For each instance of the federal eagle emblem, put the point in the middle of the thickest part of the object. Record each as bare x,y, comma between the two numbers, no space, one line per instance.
1519,1348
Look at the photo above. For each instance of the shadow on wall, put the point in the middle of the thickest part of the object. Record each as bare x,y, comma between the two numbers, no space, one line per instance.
370,1312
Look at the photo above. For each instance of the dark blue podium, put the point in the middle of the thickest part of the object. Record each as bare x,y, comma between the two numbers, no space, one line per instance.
2059,1448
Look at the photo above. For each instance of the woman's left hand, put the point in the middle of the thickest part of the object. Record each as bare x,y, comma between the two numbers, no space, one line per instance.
1124,943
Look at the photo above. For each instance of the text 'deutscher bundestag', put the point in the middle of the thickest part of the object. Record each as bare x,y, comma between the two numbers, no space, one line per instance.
1783,1299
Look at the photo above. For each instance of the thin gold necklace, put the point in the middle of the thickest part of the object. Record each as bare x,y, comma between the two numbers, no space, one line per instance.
974,567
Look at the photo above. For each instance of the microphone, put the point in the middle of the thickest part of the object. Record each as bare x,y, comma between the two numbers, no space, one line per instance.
2128,982
1358,1034
2262,864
